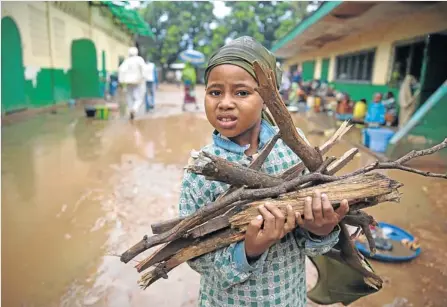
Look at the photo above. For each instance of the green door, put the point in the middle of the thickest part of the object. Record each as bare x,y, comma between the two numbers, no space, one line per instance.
308,70
13,73
84,70
325,70
434,65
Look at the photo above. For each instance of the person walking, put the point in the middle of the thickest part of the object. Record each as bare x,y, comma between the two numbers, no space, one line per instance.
131,75
150,75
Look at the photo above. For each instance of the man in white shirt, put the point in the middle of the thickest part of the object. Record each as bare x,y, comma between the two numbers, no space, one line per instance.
150,75
131,74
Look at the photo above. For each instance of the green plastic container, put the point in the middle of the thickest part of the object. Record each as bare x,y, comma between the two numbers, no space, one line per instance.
102,112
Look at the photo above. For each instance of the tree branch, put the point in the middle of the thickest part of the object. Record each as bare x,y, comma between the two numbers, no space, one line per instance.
311,157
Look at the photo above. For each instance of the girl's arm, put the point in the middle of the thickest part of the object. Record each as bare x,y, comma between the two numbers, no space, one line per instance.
228,265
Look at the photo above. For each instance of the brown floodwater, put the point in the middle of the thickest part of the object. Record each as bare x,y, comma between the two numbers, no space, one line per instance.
77,192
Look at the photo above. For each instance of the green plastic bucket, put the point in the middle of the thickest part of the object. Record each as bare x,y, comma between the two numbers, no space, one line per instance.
102,112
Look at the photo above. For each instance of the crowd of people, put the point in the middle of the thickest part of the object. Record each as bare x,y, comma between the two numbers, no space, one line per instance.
300,95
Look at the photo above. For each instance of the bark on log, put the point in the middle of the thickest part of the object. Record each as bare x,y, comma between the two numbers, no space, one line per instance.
310,156
218,169
206,245
353,189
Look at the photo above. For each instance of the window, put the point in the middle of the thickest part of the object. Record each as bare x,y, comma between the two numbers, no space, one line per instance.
356,66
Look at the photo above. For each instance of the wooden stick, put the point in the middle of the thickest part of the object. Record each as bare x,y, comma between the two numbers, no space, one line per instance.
342,161
311,157
213,242
218,169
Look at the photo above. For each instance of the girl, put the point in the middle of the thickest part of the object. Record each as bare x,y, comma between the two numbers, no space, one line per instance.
267,268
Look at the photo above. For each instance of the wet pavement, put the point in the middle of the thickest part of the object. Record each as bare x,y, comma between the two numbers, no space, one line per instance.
77,192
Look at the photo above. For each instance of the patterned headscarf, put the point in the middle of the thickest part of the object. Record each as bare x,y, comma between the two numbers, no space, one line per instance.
242,52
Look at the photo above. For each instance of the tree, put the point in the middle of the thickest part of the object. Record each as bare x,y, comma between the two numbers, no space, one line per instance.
177,25
182,24
266,21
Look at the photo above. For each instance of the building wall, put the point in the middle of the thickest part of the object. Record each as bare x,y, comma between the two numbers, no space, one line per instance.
47,30
382,37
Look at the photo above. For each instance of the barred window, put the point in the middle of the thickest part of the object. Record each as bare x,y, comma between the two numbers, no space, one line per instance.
356,66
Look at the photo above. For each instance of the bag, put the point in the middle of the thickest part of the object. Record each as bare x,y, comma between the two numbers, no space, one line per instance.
338,282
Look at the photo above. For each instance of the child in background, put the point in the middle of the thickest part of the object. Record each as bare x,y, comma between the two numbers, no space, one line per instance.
376,111
359,111
268,267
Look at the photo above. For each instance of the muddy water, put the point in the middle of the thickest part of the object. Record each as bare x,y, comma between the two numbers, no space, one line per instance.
76,193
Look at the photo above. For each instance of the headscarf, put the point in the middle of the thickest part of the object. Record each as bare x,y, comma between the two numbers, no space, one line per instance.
242,52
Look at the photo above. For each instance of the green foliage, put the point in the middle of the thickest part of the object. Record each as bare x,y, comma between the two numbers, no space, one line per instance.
178,25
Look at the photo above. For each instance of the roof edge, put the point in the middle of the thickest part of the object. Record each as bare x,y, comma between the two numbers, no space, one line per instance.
308,21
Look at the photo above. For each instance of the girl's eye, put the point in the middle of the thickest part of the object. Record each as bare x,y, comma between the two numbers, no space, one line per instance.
214,93
242,93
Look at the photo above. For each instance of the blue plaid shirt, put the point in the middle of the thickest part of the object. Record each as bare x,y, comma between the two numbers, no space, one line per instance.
278,277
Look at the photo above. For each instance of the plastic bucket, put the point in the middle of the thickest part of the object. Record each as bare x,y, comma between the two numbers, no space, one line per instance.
90,111
102,112
377,139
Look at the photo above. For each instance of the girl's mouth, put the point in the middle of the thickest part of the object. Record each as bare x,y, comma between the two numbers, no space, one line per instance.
227,121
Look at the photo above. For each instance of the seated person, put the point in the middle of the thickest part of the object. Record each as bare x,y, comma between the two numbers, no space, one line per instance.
344,105
359,111
376,111
390,109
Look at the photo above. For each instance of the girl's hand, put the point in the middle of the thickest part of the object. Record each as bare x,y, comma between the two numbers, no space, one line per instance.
319,215
258,240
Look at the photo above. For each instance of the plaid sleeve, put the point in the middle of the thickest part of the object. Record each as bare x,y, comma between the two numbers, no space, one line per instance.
228,265
314,245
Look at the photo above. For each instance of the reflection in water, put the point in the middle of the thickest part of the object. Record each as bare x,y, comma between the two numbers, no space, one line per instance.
87,133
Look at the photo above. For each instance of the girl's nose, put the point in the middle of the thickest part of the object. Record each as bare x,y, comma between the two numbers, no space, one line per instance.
226,103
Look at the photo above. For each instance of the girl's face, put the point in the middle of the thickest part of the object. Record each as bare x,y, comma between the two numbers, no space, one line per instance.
232,105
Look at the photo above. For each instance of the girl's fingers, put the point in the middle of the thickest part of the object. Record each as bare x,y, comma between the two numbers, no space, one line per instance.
316,208
328,210
279,216
343,209
308,215
254,227
291,221
269,219
299,220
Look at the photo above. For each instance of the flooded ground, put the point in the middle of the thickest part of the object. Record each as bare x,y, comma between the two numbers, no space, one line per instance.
76,193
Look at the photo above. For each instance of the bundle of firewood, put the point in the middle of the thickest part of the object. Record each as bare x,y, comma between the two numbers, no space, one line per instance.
222,222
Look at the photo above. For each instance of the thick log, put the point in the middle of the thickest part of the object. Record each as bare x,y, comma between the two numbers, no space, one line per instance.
310,156
352,188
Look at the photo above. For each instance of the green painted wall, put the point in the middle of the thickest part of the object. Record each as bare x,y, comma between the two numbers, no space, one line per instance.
84,73
434,124
51,86
13,75
358,91
308,70
325,69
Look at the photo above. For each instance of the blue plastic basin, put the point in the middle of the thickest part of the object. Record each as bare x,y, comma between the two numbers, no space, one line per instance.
377,139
